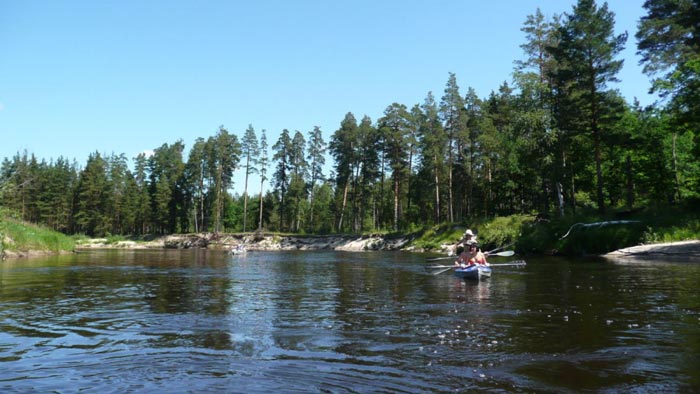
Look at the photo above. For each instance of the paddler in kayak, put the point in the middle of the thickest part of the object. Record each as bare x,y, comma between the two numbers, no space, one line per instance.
470,255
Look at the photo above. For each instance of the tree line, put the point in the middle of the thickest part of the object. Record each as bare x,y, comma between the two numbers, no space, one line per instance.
557,139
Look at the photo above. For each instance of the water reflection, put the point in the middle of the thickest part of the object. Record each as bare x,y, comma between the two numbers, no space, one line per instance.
199,320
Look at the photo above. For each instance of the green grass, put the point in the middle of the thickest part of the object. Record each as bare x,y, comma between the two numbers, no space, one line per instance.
20,236
432,237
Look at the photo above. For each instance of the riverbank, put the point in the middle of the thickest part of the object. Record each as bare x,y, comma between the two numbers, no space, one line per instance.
268,242
682,250
521,233
19,239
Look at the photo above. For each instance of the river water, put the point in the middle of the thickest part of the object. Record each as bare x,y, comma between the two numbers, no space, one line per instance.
203,321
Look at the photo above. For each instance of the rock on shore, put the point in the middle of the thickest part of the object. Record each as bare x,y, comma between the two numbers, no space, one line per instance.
684,250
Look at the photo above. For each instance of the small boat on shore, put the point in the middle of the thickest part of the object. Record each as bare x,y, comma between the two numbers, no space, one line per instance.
473,272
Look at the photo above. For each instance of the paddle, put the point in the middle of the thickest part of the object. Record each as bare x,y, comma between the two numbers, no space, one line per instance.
506,253
512,263
502,247
516,263
441,271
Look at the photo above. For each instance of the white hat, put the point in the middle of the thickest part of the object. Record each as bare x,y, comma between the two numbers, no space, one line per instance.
469,232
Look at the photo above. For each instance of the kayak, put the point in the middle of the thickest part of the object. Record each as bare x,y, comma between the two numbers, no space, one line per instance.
473,272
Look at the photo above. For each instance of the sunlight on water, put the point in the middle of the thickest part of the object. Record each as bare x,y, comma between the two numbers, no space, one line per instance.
197,320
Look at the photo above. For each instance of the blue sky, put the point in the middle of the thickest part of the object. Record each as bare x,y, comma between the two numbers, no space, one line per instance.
127,76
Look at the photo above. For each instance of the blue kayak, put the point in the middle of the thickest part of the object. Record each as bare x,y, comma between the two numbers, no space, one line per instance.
473,272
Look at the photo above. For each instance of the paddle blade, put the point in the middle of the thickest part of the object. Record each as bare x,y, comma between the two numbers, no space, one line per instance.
506,253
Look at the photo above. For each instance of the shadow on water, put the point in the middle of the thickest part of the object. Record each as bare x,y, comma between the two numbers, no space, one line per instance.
199,320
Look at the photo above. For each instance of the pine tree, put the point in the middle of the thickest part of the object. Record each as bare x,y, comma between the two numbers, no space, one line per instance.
451,113
343,147
143,199
433,141
223,152
394,127
249,147
586,59
282,174
300,171
315,156
262,165
195,173
533,77
92,197
667,39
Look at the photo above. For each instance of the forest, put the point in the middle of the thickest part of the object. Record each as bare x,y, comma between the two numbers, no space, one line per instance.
556,140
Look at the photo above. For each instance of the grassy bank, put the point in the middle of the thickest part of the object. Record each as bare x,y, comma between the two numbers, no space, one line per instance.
22,238
587,233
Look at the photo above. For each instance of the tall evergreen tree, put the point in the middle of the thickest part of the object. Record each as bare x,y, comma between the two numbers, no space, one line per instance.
282,175
165,168
143,198
368,172
224,152
196,174
300,171
92,198
452,112
536,118
262,165
468,148
316,158
433,141
343,147
249,147
394,127
667,40
586,56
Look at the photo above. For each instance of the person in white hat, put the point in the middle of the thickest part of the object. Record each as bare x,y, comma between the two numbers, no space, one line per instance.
467,237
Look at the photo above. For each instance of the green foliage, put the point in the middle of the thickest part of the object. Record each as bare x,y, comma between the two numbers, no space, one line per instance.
442,234
502,230
26,237
115,239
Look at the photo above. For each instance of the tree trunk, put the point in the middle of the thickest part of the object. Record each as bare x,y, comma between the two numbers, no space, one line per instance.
630,183
396,203
437,192
345,201
677,193
245,193
260,216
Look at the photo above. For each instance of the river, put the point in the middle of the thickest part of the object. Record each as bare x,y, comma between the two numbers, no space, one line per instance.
325,321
